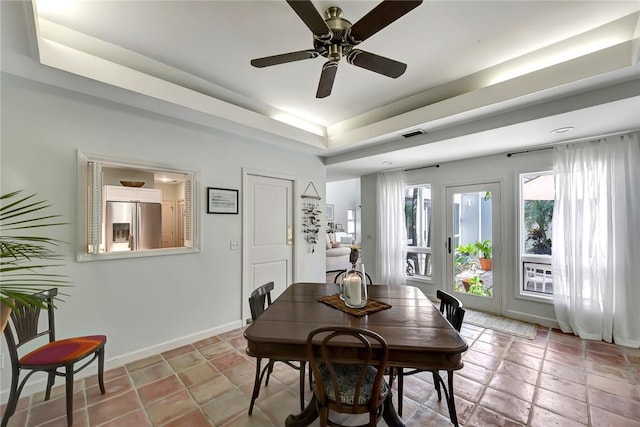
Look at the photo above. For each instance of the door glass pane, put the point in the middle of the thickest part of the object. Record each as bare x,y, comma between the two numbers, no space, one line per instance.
418,226
472,232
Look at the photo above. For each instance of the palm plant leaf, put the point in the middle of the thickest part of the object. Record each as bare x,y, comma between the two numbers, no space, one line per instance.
25,260
27,248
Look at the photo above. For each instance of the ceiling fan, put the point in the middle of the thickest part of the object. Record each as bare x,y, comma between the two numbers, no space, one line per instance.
334,37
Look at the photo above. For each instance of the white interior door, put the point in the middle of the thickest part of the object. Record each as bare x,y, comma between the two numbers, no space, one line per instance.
268,225
180,228
473,215
168,224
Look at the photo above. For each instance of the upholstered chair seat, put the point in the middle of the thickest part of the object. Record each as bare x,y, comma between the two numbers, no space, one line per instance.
347,380
63,351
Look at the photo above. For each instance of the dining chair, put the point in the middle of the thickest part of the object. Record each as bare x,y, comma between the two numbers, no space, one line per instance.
451,308
55,357
259,301
348,380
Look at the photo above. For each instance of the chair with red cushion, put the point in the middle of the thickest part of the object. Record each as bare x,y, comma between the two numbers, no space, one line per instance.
57,357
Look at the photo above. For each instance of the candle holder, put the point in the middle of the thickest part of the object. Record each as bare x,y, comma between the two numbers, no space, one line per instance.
341,284
355,287
341,289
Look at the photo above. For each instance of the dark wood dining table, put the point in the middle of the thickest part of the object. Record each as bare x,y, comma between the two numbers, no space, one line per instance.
417,334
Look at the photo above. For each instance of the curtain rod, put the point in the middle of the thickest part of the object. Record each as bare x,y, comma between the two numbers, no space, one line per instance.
572,141
422,167
528,151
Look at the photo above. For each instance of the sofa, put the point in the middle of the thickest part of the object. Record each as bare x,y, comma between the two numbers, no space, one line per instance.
337,256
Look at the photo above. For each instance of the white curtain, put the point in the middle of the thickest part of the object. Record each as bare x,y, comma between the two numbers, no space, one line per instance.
391,247
596,239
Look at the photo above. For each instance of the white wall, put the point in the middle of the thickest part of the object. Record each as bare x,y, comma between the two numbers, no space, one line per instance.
498,168
144,303
170,192
113,176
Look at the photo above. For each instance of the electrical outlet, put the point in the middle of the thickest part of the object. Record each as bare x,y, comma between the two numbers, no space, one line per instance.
234,245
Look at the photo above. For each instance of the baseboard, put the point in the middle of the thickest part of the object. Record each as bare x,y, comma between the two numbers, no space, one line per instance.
37,385
518,315
531,318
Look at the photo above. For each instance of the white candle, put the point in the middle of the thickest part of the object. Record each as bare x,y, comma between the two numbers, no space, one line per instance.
345,288
355,295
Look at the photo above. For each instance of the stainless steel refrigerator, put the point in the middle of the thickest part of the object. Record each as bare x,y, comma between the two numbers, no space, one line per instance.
133,226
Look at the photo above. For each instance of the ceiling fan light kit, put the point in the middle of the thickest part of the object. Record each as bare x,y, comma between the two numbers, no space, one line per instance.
335,37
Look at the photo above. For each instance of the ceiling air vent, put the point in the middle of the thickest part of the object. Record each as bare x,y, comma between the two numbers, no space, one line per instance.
413,133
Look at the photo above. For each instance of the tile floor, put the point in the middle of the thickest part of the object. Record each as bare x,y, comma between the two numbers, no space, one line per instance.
555,379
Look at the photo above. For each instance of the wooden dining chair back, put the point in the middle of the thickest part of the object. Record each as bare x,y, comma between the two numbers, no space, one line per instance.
451,308
54,357
348,379
259,301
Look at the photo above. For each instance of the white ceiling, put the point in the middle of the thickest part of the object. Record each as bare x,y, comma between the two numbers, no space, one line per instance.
196,55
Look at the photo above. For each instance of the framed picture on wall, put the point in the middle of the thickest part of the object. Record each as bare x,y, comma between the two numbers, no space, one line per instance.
222,201
328,212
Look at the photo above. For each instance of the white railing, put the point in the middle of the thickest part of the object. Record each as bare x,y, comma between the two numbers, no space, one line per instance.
420,264
537,277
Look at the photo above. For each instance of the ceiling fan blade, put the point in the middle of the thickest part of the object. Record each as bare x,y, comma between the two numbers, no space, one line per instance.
312,19
283,58
327,77
379,17
376,63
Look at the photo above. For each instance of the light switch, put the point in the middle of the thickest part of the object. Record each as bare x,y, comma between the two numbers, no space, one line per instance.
235,245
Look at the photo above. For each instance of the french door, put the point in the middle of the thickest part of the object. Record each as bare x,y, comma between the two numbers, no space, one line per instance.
473,245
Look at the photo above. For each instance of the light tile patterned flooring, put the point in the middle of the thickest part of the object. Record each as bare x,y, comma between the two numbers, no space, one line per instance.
555,379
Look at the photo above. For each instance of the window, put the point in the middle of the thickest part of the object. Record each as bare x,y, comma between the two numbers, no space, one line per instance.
536,207
417,206
351,221
129,210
